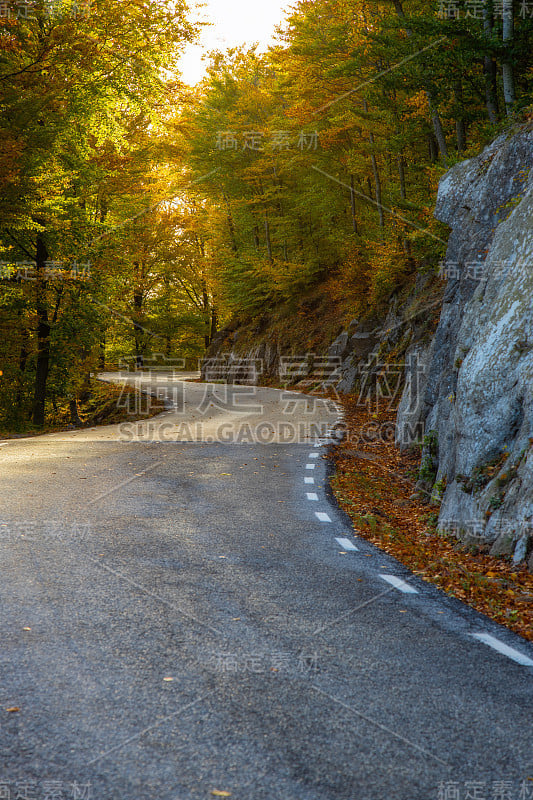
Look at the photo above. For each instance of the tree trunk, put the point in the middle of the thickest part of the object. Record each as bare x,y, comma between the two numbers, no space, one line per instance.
460,126
85,391
352,204
138,328
214,323
23,359
267,239
489,67
432,148
437,126
375,171
231,226
43,335
207,315
491,92
401,173
406,247
507,65
377,182
101,355
74,415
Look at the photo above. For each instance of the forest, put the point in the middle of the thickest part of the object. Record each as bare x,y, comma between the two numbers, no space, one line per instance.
139,214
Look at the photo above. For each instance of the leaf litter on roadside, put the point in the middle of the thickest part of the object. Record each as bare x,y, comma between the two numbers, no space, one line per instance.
374,483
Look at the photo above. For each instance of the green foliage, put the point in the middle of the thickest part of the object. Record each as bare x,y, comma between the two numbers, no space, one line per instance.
83,100
377,82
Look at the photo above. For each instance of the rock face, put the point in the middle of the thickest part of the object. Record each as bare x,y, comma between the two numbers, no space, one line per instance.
477,401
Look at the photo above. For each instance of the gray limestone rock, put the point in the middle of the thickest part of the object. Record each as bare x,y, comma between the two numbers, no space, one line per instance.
478,395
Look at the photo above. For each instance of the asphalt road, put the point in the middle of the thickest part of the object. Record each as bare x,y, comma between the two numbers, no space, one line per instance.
179,618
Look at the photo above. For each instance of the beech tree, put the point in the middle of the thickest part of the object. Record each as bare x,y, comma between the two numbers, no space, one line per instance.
72,80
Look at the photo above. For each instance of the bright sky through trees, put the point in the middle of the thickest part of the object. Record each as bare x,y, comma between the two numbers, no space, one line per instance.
233,22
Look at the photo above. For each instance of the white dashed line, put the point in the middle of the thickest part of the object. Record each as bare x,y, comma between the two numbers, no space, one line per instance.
310,466
320,515
504,649
347,544
313,455
402,586
311,495
308,479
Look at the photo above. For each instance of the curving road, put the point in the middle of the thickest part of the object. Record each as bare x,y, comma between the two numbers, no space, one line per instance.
185,614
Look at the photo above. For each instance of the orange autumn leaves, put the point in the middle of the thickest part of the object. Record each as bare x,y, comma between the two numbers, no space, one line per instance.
374,484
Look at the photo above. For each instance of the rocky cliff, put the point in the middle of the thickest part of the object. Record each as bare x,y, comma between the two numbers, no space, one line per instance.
476,397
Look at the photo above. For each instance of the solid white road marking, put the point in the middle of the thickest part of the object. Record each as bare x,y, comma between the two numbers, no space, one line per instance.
308,479
346,544
510,652
322,516
313,455
402,586
312,495
310,466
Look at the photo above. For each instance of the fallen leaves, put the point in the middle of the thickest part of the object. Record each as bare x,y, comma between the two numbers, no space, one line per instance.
374,485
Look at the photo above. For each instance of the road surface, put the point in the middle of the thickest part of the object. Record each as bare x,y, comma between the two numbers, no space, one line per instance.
184,612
